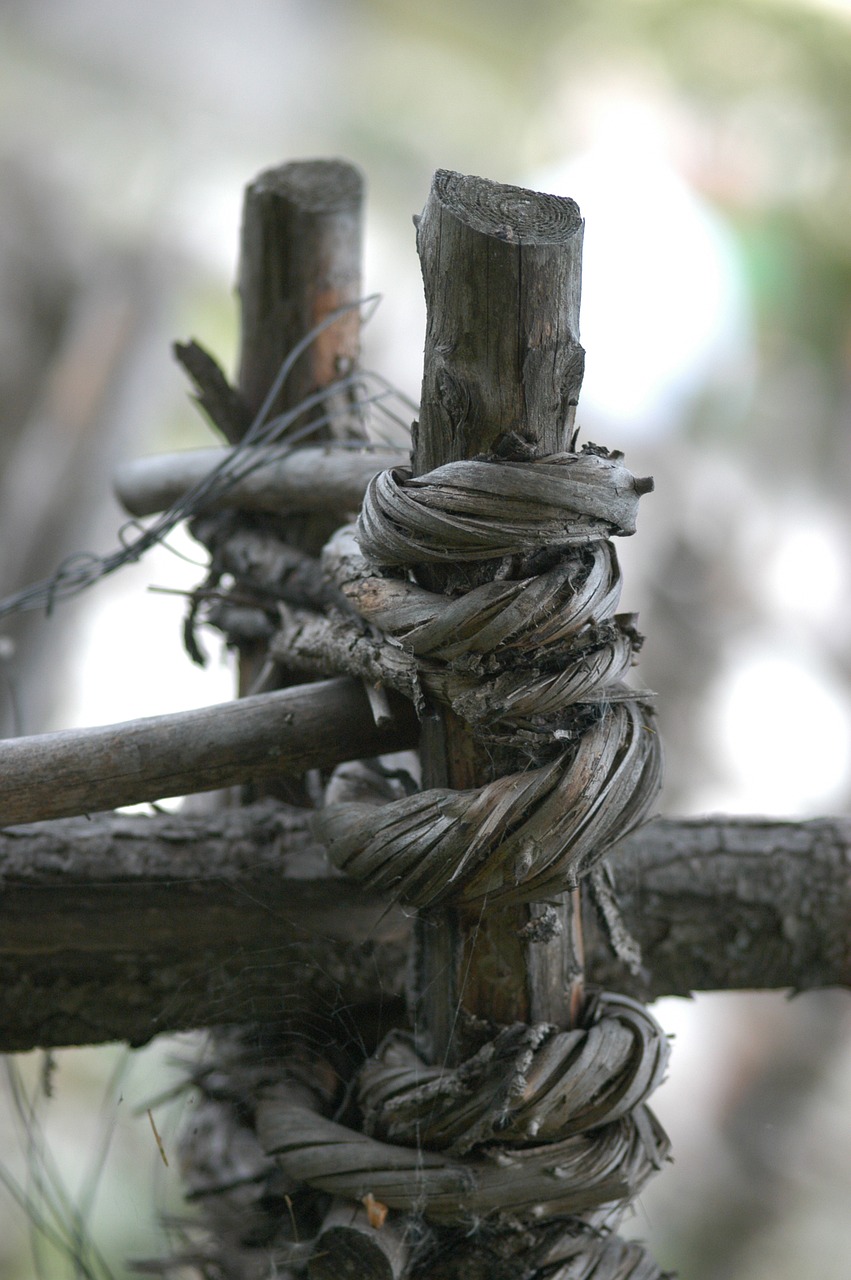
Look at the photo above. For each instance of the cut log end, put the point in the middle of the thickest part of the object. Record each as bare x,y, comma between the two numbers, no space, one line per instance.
509,213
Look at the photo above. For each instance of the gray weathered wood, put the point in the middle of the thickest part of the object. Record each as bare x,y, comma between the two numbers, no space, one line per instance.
566,1176
125,927
502,269
306,479
502,276
167,922
300,261
55,775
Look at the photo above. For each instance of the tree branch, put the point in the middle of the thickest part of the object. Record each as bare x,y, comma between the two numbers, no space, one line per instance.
307,479
727,903
221,402
502,271
122,927
55,775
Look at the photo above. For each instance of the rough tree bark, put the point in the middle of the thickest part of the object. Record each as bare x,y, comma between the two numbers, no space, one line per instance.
123,927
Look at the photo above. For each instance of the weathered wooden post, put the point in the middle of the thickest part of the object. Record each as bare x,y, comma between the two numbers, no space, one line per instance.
299,266
502,270
300,262
299,288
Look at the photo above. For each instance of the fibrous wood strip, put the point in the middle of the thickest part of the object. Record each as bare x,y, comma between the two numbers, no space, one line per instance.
515,839
562,500
581,1172
529,1083
530,613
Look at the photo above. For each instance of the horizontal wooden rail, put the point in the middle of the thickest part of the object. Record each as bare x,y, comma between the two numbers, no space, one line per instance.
307,479
122,927
78,771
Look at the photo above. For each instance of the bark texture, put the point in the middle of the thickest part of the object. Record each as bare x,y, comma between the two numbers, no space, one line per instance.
736,903
123,927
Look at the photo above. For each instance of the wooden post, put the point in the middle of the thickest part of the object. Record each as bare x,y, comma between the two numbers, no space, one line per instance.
75,771
300,261
502,370
502,270
299,264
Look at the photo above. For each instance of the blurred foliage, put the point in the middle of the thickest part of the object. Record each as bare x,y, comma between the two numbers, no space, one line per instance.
757,95
154,111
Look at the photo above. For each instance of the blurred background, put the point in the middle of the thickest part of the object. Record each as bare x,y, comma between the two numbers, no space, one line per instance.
708,143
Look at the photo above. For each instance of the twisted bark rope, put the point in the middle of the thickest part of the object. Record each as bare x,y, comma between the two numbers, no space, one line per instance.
530,1083
548,1122
517,839
538,660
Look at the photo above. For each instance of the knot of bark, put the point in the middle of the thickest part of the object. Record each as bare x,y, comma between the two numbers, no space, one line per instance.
518,838
477,510
551,1122
529,1084
533,659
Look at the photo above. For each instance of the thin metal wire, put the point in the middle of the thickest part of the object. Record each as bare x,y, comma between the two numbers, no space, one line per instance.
365,391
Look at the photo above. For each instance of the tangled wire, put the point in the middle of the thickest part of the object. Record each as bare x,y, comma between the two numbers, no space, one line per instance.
267,438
